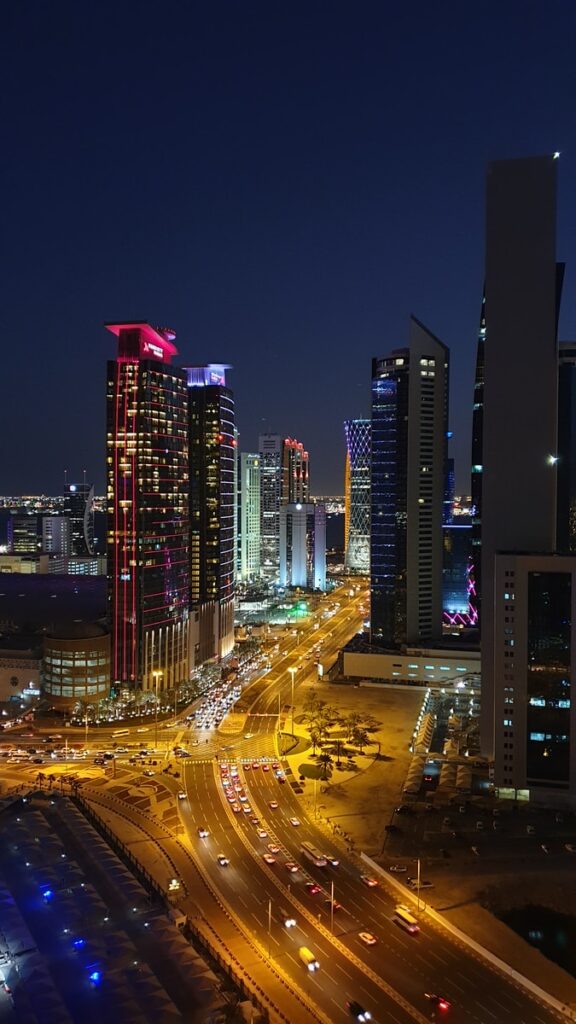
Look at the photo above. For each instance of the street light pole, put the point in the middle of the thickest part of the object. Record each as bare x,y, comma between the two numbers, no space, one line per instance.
331,907
418,883
292,670
156,674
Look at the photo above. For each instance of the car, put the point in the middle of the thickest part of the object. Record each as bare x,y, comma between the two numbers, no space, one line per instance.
181,795
275,766
265,767
242,798
531,830
412,883
248,735
357,1011
369,881
291,866
273,847
438,1001
295,822
247,809
391,829
202,831
262,833
255,764
570,847
247,767
462,809
287,919
149,773
236,807
331,860
222,860
273,805
479,826
367,938
37,760
313,888
446,821
281,779
255,821
558,818
497,826
269,858
496,812
405,809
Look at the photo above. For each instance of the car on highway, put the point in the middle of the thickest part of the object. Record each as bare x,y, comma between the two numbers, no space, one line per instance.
331,859
570,847
262,833
202,831
287,919
273,847
269,858
295,822
357,1011
397,869
313,888
275,766
438,1001
531,830
265,767
367,938
335,905
181,795
247,809
149,773
412,883
291,866
255,764
222,860
308,959
236,807
273,805
369,881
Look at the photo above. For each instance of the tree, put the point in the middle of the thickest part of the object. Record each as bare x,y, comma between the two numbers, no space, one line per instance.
315,737
14,681
326,760
351,722
360,738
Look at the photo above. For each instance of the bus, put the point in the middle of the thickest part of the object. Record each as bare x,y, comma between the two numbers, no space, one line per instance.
406,919
121,732
313,854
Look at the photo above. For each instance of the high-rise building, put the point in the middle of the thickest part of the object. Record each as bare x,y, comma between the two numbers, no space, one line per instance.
22,535
56,535
303,546
212,445
285,479
79,508
408,460
477,462
250,483
520,407
147,505
357,496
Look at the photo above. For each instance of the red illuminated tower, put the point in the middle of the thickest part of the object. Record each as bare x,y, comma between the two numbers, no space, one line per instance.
147,505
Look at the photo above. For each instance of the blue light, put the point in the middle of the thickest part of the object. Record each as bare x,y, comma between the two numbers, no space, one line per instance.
47,894
78,943
95,977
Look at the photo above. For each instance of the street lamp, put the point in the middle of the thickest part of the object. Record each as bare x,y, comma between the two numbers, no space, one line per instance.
292,670
156,674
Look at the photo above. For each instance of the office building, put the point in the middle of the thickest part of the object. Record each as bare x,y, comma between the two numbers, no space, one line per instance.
79,508
457,576
76,665
534,658
212,446
147,505
303,546
408,460
357,496
477,463
285,477
520,397
56,535
249,493
22,535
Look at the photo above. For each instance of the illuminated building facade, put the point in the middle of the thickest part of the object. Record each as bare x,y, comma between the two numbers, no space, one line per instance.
477,463
285,476
79,508
534,659
147,506
56,535
357,496
22,535
408,473
249,488
212,448
303,546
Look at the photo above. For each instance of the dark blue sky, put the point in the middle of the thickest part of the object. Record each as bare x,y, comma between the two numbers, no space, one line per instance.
282,183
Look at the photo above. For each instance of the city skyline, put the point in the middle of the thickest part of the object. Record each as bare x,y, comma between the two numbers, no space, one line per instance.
301,202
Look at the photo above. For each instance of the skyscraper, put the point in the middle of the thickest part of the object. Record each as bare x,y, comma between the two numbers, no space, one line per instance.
147,505
566,511
285,479
477,463
79,508
250,484
408,459
22,534
56,535
212,446
519,419
303,546
357,496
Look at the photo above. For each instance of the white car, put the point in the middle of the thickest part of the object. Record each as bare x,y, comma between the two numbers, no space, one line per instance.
181,795
262,833
295,822
222,860
202,831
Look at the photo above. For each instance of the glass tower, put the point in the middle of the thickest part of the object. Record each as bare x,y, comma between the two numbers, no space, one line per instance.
147,506
357,496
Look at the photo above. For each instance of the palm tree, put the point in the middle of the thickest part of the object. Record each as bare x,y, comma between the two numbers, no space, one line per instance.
315,738
360,738
326,760
351,722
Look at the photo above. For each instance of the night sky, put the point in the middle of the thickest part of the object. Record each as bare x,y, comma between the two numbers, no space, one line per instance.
283,183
